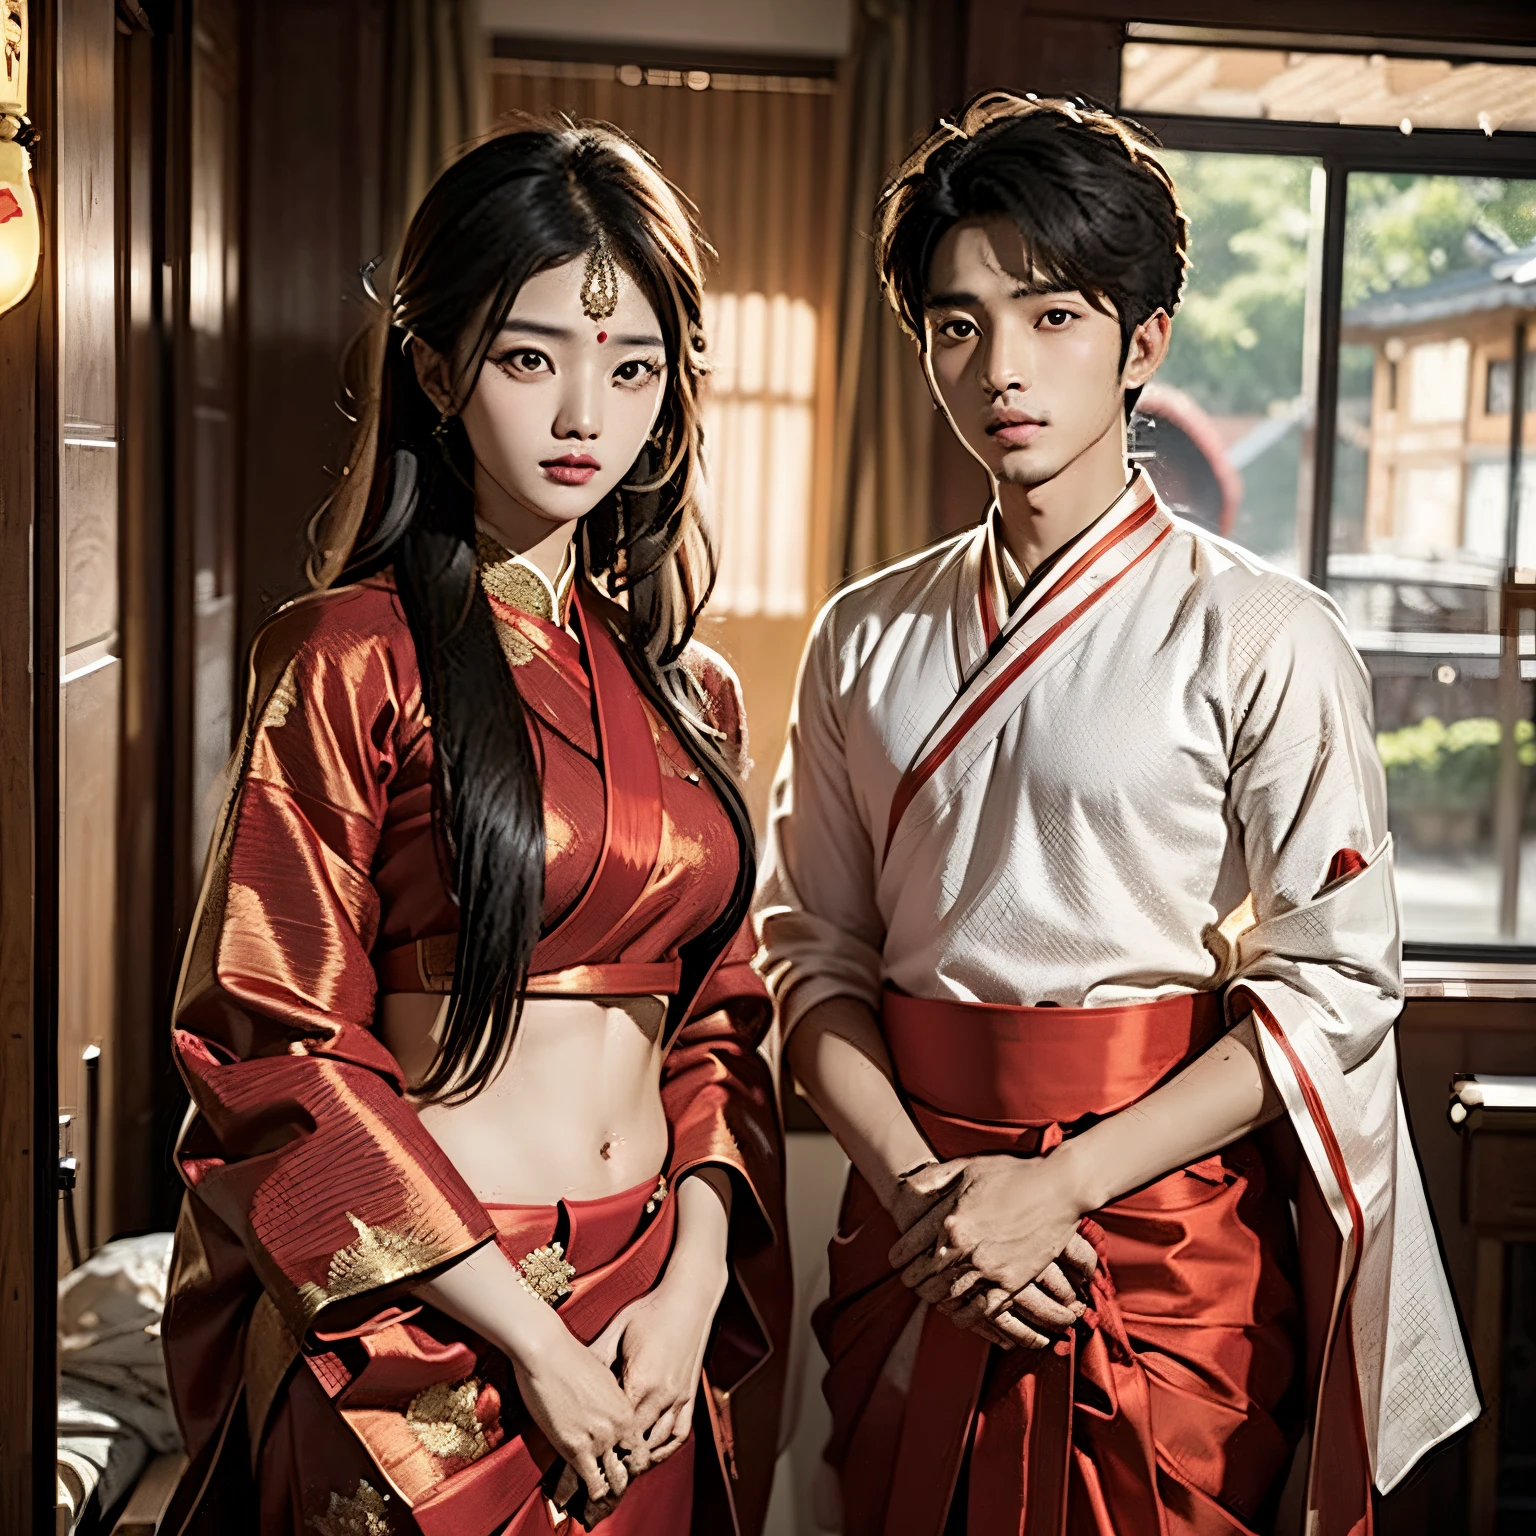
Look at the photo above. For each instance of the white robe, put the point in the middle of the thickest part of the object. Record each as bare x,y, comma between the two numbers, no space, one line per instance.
1138,790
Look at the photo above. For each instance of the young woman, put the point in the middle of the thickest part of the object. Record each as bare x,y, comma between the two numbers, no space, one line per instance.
485,1208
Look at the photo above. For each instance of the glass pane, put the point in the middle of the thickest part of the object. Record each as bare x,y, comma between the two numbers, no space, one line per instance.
1437,284
1290,86
1226,427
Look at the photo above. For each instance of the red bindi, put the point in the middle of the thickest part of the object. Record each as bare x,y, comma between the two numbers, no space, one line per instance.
602,336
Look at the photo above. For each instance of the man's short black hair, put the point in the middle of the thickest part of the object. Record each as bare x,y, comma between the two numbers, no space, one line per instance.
1097,211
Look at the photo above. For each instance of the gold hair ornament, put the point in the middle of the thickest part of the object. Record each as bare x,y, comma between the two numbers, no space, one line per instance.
600,283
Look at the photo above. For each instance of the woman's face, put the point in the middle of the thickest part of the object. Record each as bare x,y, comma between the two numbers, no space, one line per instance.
564,403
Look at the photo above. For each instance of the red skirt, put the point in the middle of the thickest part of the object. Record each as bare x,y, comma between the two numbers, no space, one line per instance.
334,1426
1174,1407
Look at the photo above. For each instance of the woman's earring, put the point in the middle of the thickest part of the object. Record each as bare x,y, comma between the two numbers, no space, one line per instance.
440,431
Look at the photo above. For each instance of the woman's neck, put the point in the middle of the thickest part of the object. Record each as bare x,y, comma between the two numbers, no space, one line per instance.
519,530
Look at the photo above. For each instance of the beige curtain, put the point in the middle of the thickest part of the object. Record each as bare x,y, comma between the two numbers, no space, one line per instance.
433,106
884,418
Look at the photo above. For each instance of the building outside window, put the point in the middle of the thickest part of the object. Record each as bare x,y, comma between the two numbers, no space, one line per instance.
1338,400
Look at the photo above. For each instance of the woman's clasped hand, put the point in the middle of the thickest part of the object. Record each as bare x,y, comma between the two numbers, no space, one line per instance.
992,1242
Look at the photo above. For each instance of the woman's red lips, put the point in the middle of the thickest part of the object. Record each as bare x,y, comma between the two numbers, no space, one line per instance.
571,468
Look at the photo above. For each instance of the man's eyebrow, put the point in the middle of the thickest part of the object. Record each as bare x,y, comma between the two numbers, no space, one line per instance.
960,300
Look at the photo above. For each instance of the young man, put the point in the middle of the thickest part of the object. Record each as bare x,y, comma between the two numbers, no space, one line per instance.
1078,911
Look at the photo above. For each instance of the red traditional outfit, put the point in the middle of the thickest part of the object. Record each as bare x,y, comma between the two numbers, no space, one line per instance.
314,1391
1059,836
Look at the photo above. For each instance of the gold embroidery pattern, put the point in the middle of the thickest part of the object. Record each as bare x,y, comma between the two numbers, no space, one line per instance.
546,1273
380,1256
443,1418
513,580
515,646
658,1196
284,697
361,1515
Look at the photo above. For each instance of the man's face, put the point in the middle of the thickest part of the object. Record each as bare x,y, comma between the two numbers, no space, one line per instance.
1029,376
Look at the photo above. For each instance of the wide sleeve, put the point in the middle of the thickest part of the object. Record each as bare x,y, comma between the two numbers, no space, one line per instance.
1320,970
303,1143
818,926
1309,796
1319,966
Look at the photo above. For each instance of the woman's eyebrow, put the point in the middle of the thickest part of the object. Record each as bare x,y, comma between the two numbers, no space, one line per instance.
561,333
535,328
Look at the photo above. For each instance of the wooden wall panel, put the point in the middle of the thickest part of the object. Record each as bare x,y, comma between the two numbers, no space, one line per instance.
90,538
145,1088
313,220
209,512
88,928
1438,1038
29,427
86,232
21,1154
88,701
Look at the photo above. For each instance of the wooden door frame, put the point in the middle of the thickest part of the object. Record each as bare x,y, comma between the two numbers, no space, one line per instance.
29,836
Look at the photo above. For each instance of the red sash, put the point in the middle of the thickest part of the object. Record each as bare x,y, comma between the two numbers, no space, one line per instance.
1159,1414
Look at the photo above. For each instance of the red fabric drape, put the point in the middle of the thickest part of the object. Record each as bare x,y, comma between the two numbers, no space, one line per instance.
1173,1408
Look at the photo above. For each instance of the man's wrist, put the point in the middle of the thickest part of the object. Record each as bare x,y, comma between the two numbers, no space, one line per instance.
1076,1161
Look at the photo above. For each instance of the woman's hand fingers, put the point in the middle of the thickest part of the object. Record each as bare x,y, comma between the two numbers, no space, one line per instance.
1080,1255
616,1473
681,1428
588,1470
661,1431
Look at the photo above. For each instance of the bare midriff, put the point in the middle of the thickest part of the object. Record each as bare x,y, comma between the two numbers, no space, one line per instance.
575,1112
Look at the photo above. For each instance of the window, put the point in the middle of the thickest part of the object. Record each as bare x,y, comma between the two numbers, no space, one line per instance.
1500,383
1422,525
759,421
1360,286
1225,427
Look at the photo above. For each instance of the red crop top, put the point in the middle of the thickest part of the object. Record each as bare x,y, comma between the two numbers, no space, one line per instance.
641,857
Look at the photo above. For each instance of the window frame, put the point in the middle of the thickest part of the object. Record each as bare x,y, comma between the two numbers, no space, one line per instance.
1342,150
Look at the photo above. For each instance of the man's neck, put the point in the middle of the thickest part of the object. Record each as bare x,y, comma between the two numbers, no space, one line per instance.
1038,519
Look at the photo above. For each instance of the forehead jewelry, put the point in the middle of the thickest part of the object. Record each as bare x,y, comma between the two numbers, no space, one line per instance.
600,283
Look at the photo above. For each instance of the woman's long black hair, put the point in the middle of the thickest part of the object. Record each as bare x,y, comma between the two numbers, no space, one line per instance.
515,205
